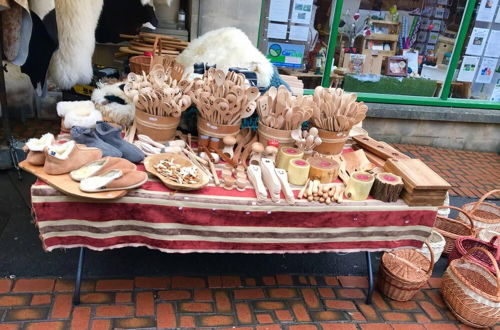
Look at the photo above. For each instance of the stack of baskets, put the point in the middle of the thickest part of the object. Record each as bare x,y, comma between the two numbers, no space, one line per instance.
404,272
471,291
452,229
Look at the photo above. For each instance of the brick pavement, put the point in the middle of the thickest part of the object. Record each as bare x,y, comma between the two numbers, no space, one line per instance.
218,302
470,173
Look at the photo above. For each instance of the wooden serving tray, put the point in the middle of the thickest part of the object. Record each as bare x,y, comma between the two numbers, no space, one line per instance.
415,174
66,185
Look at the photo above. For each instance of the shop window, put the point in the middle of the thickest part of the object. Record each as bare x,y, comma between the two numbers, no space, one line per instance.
478,72
294,35
397,47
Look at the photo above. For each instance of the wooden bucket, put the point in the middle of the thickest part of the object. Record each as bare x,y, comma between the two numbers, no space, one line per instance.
333,142
216,130
284,137
160,129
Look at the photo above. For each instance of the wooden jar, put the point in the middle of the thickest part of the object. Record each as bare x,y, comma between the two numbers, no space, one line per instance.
284,137
216,130
333,142
160,129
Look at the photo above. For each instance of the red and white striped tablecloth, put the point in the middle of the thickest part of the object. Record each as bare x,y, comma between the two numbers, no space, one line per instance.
217,220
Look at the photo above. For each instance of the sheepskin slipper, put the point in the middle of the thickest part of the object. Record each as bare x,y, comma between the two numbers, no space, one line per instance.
78,113
226,47
101,166
112,102
88,136
113,135
35,148
64,158
114,180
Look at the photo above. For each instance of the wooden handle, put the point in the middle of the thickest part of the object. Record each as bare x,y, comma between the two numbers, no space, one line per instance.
270,179
285,187
460,210
494,191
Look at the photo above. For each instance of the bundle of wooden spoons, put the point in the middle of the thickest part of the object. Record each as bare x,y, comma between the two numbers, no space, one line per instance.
158,93
336,110
279,109
223,98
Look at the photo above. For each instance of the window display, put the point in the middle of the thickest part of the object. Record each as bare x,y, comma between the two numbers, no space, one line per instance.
478,69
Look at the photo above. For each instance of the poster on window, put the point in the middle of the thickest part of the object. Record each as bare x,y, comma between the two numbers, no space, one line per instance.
486,10
276,31
477,41
278,10
468,68
493,44
495,95
285,54
486,70
301,11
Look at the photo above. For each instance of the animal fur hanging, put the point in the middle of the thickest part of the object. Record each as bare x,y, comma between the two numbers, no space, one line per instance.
227,47
76,23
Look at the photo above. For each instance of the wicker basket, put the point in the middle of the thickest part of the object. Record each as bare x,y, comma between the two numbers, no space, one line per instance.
464,244
471,292
403,272
486,234
437,242
142,63
452,229
484,215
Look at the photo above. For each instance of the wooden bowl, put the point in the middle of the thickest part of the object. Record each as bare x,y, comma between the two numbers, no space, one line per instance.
152,160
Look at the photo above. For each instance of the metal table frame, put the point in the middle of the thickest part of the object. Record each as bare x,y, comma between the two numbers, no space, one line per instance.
81,258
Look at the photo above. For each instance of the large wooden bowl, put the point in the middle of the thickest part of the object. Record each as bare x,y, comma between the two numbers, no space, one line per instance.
152,160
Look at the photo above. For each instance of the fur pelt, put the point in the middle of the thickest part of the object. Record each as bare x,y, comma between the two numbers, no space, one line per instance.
41,8
122,114
227,47
78,113
20,93
76,23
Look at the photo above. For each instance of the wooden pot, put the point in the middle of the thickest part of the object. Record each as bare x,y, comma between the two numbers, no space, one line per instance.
216,130
333,142
160,129
284,137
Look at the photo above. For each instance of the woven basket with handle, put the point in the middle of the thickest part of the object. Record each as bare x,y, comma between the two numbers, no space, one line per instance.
471,291
403,272
452,229
143,63
483,214
464,244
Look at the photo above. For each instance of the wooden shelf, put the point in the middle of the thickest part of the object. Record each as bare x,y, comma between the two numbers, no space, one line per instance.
375,21
382,37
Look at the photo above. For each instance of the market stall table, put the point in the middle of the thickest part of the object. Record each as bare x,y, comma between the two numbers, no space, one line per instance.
216,220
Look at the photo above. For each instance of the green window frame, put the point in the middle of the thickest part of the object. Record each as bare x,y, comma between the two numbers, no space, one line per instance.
441,101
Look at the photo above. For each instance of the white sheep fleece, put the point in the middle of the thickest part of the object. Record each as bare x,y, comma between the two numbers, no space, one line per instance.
76,23
227,47
122,114
64,107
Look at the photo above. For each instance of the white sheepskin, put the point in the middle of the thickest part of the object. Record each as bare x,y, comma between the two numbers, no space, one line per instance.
122,114
227,47
76,23
78,113
61,151
66,106
40,144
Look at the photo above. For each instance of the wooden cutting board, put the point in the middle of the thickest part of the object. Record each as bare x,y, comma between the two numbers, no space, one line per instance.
379,148
67,186
415,174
